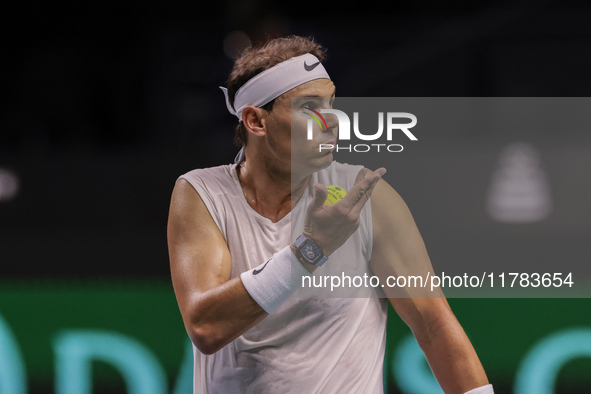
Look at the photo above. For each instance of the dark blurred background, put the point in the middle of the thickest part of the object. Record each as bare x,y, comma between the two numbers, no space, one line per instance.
106,104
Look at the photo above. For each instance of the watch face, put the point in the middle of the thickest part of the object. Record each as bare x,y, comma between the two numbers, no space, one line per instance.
310,251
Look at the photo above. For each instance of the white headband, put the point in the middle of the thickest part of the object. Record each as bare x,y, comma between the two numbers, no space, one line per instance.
275,81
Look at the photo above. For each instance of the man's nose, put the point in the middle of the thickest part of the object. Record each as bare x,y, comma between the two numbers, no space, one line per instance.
331,121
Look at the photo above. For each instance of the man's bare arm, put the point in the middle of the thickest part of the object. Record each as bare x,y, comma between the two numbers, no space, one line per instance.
215,309
398,249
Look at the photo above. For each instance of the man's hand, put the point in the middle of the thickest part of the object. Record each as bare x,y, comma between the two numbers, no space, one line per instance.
331,225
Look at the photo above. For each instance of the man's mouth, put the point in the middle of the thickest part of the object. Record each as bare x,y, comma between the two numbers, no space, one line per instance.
327,147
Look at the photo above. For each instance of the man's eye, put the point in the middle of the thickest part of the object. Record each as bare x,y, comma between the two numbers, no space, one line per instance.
310,104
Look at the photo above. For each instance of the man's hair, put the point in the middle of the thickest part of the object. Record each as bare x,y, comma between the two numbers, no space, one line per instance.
256,59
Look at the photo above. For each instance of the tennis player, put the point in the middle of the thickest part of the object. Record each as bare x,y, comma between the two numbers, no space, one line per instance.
243,237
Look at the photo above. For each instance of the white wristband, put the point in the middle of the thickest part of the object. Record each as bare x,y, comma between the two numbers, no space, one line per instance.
270,284
482,390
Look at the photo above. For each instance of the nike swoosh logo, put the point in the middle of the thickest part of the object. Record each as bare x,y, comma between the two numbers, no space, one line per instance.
256,272
310,67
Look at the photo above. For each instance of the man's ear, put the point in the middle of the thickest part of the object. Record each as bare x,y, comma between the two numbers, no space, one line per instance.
253,120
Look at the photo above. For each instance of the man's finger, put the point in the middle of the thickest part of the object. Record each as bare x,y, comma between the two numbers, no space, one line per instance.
361,175
320,195
361,202
360,193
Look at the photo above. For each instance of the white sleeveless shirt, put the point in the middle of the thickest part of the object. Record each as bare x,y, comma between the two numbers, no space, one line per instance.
309,345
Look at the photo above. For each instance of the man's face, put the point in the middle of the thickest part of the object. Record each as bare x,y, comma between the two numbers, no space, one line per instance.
287,126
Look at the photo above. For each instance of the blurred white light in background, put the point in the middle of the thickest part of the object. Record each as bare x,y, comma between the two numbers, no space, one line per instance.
8,185
519,190
236,42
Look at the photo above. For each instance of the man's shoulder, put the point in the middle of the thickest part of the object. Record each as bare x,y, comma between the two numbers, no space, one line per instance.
216,171
211,180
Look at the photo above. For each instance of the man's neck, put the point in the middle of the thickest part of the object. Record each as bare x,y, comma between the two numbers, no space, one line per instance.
269,191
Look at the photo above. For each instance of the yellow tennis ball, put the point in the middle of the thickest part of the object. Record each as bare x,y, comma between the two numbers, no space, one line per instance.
335,194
